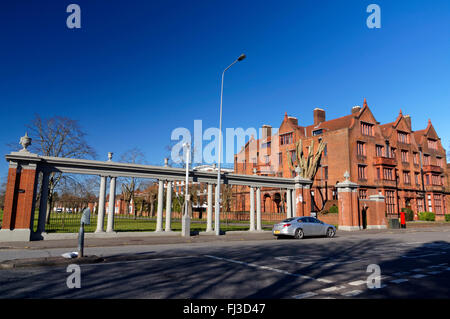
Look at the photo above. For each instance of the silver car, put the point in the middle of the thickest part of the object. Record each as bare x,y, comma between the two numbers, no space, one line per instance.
299,227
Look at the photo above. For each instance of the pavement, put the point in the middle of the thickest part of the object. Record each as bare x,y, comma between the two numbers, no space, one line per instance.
48,252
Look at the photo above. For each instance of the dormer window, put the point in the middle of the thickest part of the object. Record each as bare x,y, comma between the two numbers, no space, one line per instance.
366,129
432,144
403,137
317,132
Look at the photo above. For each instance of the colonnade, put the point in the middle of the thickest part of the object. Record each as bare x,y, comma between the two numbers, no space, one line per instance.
255,206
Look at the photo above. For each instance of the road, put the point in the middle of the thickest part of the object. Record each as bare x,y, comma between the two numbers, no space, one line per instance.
412,265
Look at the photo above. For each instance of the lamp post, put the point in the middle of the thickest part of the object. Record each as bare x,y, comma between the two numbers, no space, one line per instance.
187,147
217,199
186,218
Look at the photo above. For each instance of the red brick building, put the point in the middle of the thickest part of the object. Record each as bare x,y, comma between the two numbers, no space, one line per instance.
408,167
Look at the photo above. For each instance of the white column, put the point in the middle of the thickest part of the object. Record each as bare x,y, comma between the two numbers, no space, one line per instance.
258,209
43,203
159,215
252,209
101,205
169,206
294,204
288,203
112,204
209,227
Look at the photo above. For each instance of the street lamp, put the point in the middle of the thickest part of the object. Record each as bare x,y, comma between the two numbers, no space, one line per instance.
217,199
186,188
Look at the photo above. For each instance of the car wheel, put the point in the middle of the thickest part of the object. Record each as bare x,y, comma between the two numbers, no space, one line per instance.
299,234
330,232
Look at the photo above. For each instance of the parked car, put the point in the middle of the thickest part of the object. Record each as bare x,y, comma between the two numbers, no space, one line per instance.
299,227
59,210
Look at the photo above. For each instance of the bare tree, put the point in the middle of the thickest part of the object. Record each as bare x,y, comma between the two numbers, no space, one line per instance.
131,184
57,137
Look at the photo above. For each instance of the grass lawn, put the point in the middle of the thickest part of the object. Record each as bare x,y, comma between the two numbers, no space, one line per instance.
70,223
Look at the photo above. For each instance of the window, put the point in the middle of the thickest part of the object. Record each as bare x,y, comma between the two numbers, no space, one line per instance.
405,156
403,137
286,138
379,150
325,151
438,203
406,177
416,178
430,207
388,174
420,205
426,159
436,180
432,144
363,194
427,179
416,158
293,155
439,162
362,172
378,173
317,132
266,145
361,148
267,159
325,172
393,152
366,129
280,158
390,202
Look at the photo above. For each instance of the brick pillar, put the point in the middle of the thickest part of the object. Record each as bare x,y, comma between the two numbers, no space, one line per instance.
379,212
348,205
19,203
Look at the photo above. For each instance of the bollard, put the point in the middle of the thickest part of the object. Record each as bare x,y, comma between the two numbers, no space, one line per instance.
81,241
85,219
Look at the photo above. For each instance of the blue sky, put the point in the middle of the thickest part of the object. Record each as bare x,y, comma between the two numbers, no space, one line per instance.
136,70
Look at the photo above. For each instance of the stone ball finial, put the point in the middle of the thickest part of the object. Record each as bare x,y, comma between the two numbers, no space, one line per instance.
346,175
25,141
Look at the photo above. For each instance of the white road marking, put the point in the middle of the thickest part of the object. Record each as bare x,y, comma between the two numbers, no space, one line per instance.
269,268
351,293
357,283
434,272
418,270
334,288
304,295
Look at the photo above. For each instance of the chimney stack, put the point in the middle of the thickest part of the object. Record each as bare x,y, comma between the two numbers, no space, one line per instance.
266,131
356,109
408,120
319,116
